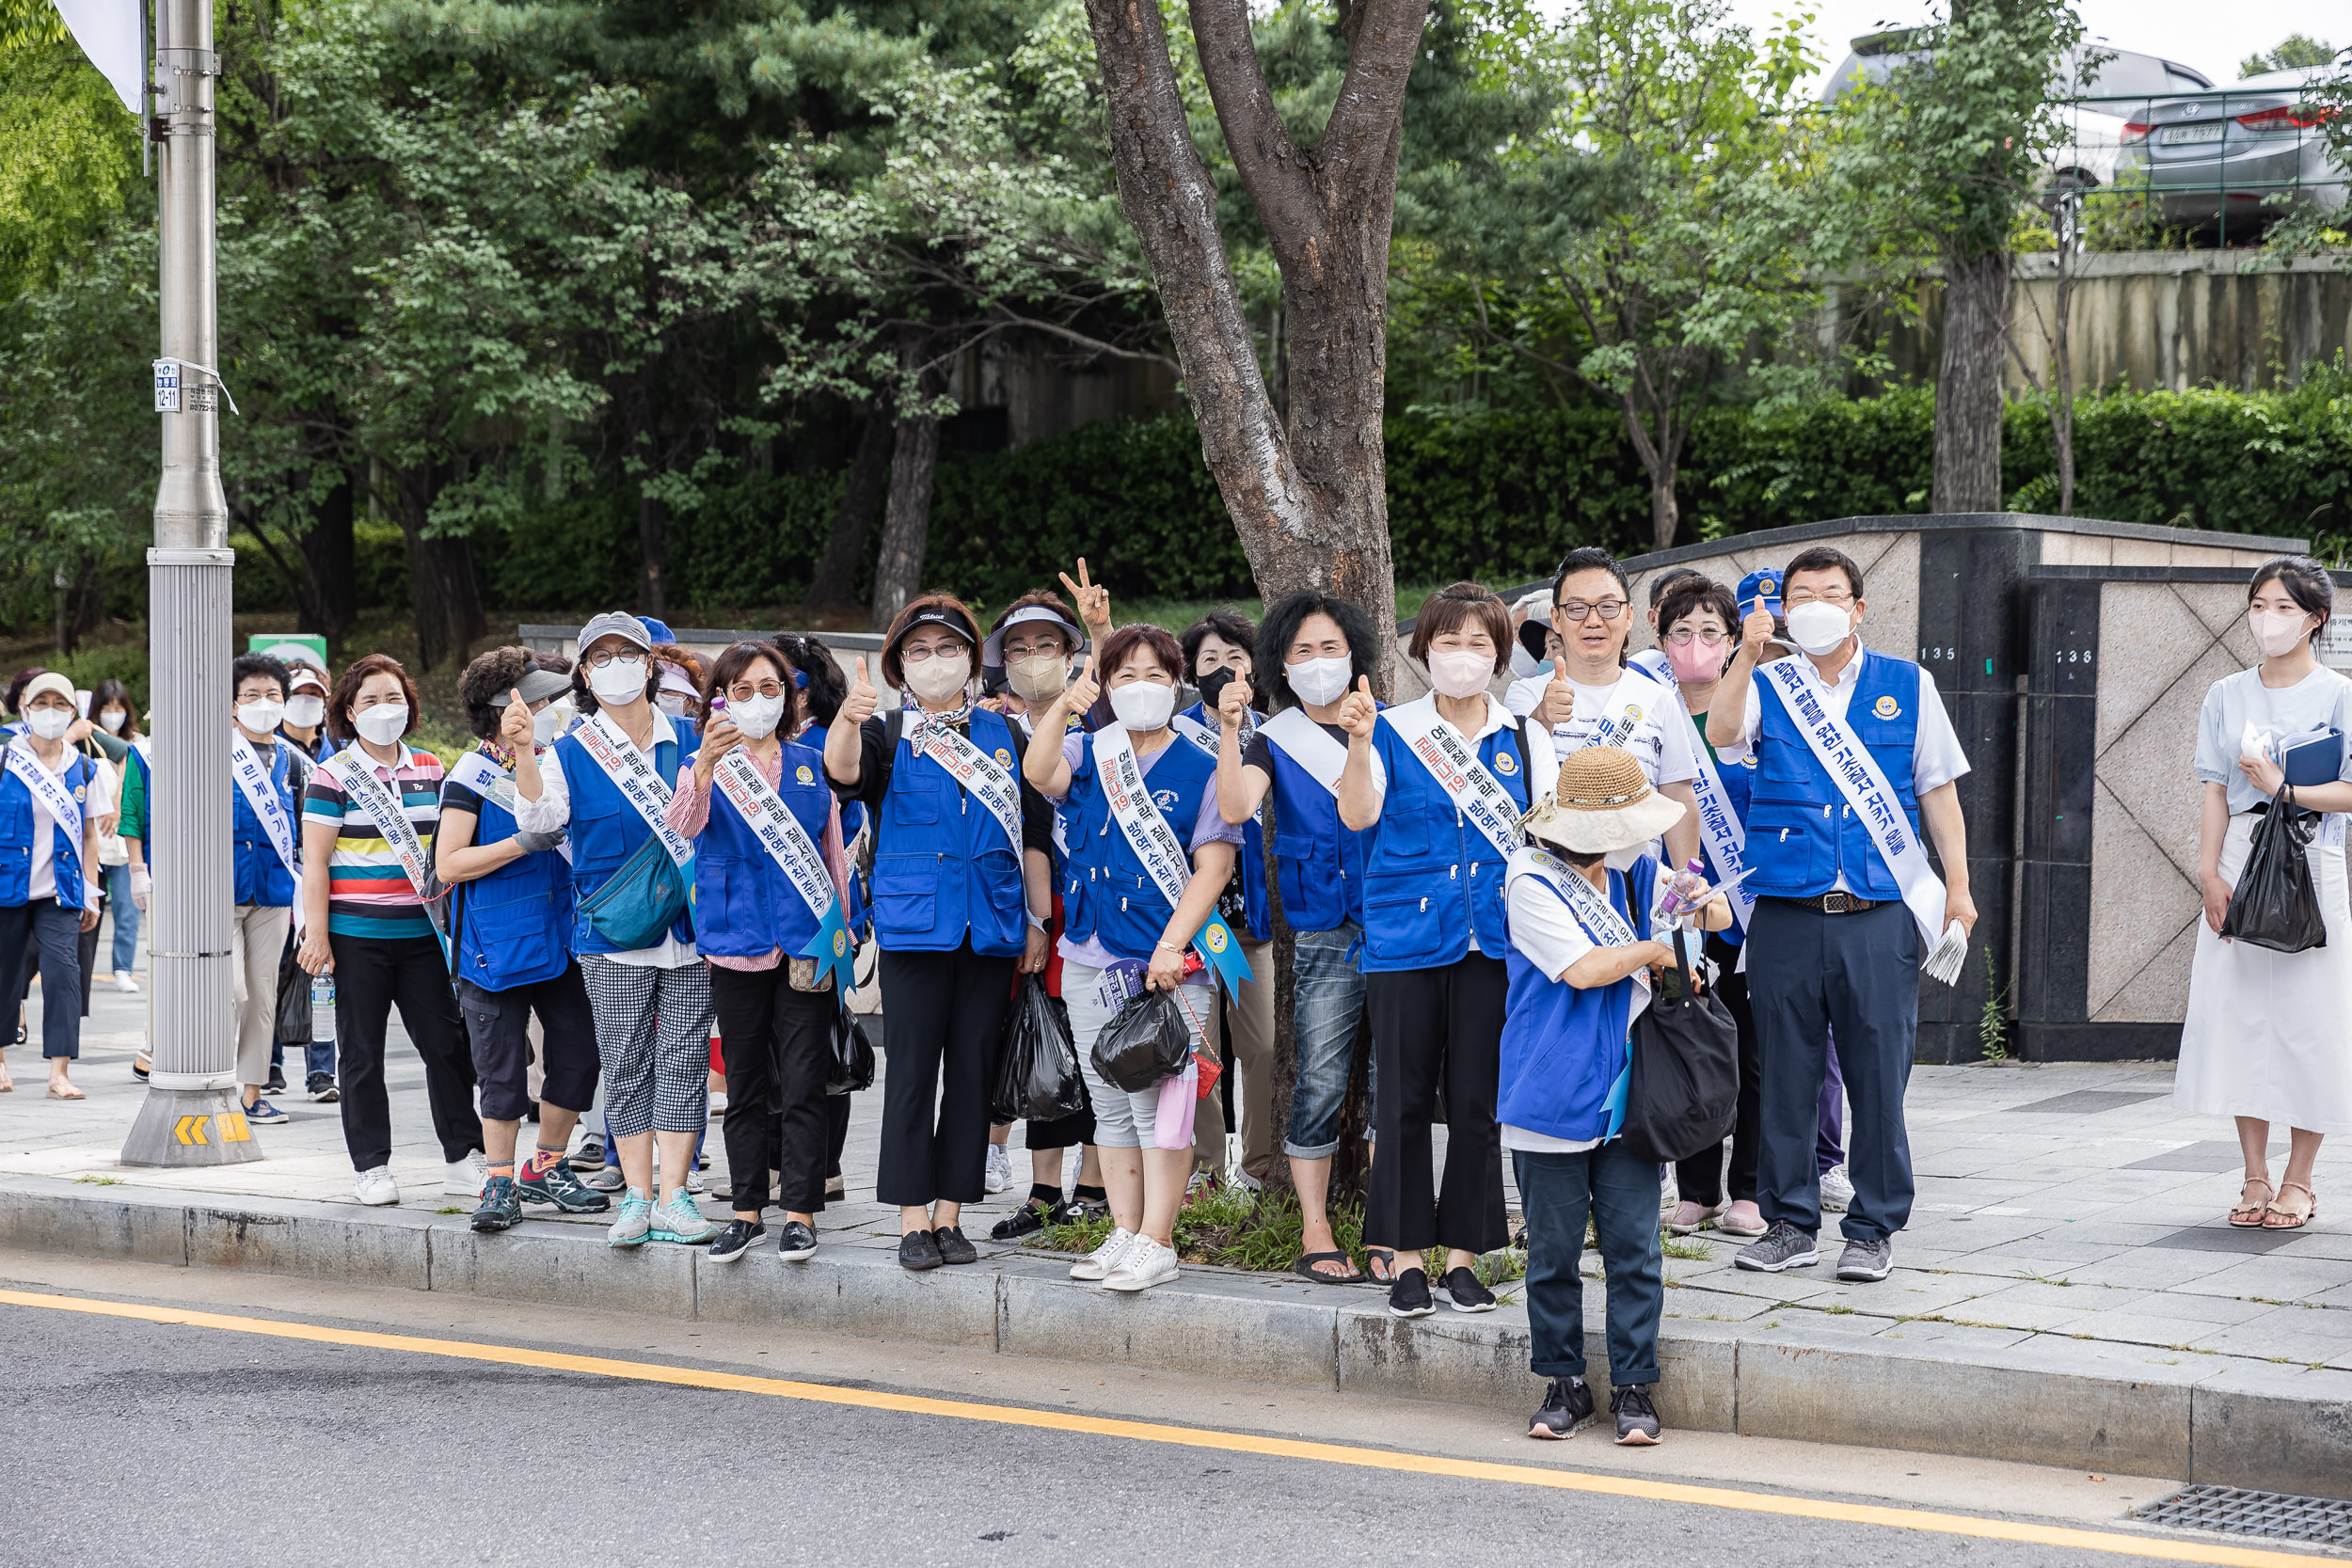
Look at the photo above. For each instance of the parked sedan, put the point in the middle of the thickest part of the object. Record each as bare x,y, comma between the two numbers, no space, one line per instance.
2232,159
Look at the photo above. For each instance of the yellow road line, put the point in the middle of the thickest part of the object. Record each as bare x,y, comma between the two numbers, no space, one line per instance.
1202,1437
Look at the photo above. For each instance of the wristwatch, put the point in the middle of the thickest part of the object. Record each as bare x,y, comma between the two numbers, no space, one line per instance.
1037,921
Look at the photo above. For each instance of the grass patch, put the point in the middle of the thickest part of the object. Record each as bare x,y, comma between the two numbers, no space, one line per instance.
1677,1246
453,1208
1839,1312
98,1181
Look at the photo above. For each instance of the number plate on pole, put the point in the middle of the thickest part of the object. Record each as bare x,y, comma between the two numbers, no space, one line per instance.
166,386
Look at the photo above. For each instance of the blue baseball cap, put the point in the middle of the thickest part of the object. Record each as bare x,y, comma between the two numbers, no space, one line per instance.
1759,590
657,628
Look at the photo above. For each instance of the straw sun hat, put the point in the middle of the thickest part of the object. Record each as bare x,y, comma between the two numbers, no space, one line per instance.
1601,802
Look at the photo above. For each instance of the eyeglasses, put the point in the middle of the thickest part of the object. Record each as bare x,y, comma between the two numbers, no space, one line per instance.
1707,634
1577,610
1837,597
916,655
599,661
743,691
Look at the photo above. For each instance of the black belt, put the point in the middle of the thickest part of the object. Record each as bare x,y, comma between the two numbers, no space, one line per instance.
1840,903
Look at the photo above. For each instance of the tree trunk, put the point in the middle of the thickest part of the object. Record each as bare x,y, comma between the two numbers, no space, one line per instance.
329,601
441,587
835,581
906,518
1306,484
650,515
1968,383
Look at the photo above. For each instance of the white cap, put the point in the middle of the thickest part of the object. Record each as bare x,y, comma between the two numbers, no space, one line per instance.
993,651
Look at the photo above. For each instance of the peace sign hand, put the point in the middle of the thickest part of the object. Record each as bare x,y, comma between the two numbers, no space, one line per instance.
1358,711
1093,602
859,705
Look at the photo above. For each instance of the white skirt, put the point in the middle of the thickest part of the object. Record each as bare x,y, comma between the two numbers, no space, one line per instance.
2269,1035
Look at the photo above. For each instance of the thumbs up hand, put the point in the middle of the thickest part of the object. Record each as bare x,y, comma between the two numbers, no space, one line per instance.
1358,711
859,705
515,729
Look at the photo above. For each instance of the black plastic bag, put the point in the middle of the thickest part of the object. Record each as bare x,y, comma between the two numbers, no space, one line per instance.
1686,1070
852,1065
1146,1042
2275,903
293,1001
1037,1075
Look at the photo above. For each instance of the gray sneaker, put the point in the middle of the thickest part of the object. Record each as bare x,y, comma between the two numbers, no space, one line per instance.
1863,1261
1782,1246
676,1219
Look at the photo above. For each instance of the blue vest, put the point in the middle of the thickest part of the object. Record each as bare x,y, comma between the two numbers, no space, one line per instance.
260,876
1107,895
1430,879
1319,859
853,912
1257,909
1564,1045
605,830
16,834
1801,835
941,866
744,907
1739,785
513,924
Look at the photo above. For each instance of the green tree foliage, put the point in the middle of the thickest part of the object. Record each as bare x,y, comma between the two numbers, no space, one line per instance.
2296,49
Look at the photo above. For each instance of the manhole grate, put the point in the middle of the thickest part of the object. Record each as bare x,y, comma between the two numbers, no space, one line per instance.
2320,1521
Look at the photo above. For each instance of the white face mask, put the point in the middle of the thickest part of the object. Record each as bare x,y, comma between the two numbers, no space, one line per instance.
671,703
2277,632
383,723
261,718
49,722
113,718
758,717
1039,678
620,683
1820,628
1460,674
1143,704
940,676
548,723
1318,681
303,713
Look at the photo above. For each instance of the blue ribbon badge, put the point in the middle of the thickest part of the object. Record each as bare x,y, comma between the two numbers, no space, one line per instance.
830,947
1222,951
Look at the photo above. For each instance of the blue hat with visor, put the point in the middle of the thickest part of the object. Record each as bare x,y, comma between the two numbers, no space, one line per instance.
1759,590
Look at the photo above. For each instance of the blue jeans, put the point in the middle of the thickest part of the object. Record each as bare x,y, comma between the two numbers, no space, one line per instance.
126,918
1619,1193
1328,999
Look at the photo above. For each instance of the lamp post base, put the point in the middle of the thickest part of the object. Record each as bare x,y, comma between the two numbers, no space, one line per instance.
188,1128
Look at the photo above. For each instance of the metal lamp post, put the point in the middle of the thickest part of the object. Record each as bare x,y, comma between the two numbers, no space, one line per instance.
192,1115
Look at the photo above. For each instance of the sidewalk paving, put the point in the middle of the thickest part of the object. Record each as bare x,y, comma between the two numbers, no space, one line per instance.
2069,1226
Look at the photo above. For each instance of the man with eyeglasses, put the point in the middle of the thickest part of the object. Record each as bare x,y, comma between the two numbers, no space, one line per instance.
1845,898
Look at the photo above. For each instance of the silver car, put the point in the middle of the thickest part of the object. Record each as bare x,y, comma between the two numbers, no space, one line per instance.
2234,158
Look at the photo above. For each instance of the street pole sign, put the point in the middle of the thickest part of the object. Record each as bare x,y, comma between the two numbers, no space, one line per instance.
193,1114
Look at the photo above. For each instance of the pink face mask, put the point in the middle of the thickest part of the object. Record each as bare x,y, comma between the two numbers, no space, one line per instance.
1695,660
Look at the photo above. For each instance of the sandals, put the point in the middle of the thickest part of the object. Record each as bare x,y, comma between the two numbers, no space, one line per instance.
1702,1212
1373,1258
2248,1213
61,1089
1305,1268
2278,1218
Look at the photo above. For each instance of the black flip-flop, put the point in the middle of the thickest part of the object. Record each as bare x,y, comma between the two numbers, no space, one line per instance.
1372,1276
1305,1268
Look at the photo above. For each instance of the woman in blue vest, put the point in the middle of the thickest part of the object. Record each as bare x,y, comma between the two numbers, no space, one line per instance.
1313,647
1698,625
48,868
1580,937
951,823
652,1005
1434,942
264,872
1120,932
775,1006
512,919
1219,653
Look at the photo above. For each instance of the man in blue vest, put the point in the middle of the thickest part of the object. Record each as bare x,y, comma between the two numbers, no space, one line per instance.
1834,944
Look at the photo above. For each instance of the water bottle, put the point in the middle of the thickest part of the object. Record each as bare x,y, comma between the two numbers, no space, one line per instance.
1682,889
321,1008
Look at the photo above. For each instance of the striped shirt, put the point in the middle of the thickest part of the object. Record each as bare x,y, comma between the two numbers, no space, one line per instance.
368,895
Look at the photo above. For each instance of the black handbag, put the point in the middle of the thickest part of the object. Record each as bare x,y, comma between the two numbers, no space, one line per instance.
293,1001
1685,1071
851,1067
2275,903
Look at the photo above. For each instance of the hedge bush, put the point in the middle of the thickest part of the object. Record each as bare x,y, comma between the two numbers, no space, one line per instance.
1499,497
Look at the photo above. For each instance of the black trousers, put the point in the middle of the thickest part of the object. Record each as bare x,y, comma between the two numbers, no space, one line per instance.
372,975
497,1023
1432,1027
1701,1176
939,1038
49,931
836,1133
776,1043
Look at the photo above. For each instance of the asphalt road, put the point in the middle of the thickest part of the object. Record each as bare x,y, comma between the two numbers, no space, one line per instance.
139,1442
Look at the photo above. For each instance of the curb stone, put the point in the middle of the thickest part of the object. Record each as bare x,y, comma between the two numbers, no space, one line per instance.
2222,1420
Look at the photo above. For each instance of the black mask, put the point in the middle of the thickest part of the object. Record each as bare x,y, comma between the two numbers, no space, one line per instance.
1212,688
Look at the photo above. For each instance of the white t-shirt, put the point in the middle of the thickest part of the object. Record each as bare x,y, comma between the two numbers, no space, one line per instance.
1661,741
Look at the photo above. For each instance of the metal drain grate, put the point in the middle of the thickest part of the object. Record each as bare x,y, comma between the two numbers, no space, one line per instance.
2320,1521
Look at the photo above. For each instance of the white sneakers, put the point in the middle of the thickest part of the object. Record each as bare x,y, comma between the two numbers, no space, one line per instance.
466,1177
376,1187
124,984
1144,1264
1103,1260
1836,1190
999,1173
